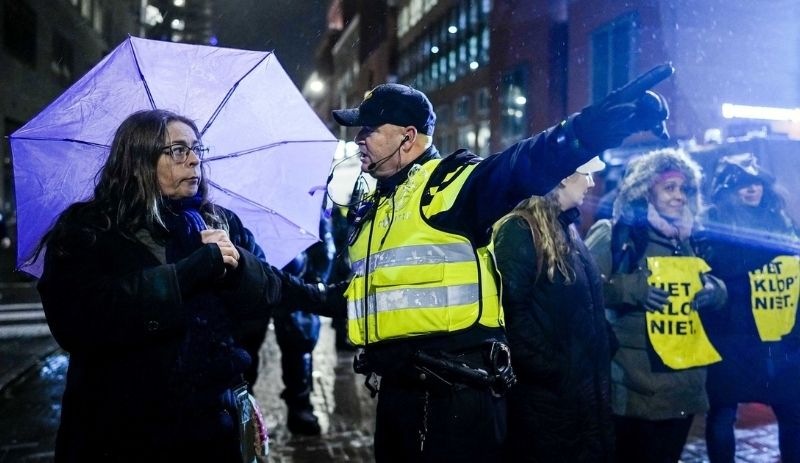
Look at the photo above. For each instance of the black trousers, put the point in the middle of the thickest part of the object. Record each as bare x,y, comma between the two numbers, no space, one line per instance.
647,441
461,424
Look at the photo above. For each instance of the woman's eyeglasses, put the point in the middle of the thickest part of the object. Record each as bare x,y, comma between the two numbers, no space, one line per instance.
179,152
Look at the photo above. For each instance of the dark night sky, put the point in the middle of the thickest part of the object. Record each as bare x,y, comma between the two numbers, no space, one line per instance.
292,28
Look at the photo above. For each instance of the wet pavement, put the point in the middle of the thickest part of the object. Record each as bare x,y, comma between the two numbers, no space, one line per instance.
30,406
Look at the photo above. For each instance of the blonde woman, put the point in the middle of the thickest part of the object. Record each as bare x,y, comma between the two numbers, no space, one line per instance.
557,332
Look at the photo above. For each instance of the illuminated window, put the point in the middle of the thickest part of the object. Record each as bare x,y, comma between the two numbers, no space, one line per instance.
415,12
467,137
483,139
513,109
402,22
97,17
86,9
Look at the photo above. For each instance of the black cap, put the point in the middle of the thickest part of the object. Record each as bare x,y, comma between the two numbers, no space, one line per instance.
394,104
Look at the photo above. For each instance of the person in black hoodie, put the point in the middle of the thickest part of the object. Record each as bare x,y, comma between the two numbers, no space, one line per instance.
552,295
752,244
145,284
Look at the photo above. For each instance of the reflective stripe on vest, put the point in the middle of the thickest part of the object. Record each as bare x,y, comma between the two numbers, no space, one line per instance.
416,255
410,298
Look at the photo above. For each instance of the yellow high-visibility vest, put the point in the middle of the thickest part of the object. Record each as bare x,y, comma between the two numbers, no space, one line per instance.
411,279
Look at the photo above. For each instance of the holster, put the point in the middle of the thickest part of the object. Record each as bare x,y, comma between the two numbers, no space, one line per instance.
489,368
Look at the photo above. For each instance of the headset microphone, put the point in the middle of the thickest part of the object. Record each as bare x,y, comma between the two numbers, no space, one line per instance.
373,165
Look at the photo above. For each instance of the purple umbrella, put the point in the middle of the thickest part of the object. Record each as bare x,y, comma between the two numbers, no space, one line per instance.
268,154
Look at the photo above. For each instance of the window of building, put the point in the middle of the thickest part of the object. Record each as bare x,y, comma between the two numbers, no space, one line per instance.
62,62
443,115
467,137
483,101
86,9
484,51
414,12
19,30
612,55
98,17
513,109
452,66
483,139
451,48
402,22
462,108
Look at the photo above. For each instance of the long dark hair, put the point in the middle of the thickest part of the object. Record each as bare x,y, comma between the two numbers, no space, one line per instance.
127,197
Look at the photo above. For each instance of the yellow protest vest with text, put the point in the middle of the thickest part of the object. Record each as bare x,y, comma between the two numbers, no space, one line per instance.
773,292
676,331
411,279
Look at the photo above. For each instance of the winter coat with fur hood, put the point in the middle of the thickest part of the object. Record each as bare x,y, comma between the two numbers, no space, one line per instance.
642,385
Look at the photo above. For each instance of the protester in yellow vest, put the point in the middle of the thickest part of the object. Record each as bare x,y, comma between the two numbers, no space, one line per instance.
753,246
423,302
654,288
552,294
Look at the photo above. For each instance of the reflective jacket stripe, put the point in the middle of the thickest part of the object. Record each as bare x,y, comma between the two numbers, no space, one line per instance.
416,255
416,298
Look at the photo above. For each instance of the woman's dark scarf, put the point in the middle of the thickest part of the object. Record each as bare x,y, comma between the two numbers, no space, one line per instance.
184,224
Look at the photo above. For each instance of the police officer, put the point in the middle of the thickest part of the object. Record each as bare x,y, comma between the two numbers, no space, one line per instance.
423,301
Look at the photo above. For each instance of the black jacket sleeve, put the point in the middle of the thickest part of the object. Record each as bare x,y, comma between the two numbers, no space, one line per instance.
254,286
532,166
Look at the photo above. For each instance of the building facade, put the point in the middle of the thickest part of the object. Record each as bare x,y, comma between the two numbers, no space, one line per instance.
46,46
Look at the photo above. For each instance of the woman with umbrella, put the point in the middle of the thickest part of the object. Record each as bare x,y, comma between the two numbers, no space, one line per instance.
752,244
145,284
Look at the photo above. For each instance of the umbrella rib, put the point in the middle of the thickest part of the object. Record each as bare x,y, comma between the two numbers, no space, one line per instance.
230,93
251,202
141,76
82,142
236,154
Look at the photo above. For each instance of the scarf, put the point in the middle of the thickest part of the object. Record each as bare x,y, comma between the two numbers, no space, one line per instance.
679,229
184,223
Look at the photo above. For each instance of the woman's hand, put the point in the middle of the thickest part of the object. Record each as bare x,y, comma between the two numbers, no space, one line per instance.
230,255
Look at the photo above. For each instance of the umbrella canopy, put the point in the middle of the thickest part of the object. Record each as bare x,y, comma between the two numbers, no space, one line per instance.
269,153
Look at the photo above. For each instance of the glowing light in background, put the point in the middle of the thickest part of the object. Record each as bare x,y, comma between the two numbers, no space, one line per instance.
734,111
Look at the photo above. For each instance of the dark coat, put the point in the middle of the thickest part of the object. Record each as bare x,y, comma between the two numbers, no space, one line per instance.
736,240
560,348
151,344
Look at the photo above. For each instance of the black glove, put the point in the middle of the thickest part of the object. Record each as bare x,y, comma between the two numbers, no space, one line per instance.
654,299
713,295
334,299
625,111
